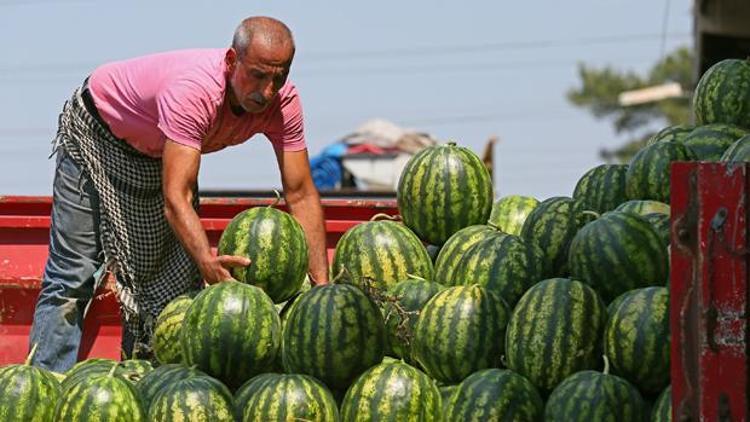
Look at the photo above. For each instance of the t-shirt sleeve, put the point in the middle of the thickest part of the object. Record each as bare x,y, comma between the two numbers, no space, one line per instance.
286,130
185,109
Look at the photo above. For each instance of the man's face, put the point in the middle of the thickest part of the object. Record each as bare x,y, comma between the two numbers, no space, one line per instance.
256,78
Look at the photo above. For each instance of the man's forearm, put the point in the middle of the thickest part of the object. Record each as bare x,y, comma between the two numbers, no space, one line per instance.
187,227
308,211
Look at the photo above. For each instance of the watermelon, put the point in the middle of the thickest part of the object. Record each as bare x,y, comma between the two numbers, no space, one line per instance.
660,223
648,175
443,189
166,338
595,396
98,366
710,141
509,213
248,389
392,392
644,207
104,398
160,378
459,331
334,332
636,338
738,151
275,243
198,398
495,395
290,398
231,332
502,263
385,252
723,94
400,312
602,188
618,252
554,331
551,227
27,393
454,248
662,410
676,133
446,394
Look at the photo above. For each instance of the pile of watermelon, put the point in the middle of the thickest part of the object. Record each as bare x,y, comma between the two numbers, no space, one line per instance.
530,310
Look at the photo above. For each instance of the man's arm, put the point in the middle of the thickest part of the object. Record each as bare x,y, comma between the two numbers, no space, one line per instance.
304,204
179,177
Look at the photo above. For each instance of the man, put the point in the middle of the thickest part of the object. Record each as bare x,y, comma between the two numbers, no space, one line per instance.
125,192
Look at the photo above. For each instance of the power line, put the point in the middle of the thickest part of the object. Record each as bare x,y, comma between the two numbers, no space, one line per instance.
664,25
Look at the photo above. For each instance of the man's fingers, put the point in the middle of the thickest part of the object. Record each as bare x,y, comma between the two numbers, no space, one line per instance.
234,261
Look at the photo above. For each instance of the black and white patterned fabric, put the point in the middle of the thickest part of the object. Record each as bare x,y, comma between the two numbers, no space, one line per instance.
149,263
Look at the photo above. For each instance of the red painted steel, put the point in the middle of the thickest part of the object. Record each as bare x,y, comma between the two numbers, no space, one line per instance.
24,234
709,292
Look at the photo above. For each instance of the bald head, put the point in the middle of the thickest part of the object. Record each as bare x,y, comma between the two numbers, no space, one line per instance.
268,31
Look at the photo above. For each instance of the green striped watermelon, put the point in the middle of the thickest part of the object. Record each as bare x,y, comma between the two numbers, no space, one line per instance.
551,227
618,252
454,248
160,378
660,223
650,170
275,243
459,331
290,398
595,396
406,299
602,188
88,368
554,331
502,263
509,213
644,207
636,338
446,394
248,389
710,141
104,398
384,251
738,151
334,332
392,392
495,395
198,398
166,338
443,189
723,94
231,332
27,393
662,410
676,133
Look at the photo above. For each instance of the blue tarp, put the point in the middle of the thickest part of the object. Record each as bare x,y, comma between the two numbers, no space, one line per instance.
326,166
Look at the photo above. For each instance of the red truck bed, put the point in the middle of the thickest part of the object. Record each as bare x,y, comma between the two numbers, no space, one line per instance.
24,236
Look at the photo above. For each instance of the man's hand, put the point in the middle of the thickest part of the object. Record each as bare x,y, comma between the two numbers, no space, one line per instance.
216,269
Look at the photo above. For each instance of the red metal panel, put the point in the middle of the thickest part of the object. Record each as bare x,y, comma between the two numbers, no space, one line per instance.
24,235
709,292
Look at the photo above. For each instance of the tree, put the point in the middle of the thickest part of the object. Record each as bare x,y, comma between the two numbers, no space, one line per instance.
600,88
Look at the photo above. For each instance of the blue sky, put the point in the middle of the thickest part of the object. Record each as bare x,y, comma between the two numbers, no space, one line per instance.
461,71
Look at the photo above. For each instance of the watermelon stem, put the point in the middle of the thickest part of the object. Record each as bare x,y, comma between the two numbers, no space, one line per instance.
385,217
494,226
592,213
112,371
31,354
278,199
415,277
452,144
606,365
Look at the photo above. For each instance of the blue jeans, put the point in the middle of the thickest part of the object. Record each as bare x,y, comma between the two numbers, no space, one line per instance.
74,267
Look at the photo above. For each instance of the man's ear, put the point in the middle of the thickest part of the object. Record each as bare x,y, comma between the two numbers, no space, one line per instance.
231,58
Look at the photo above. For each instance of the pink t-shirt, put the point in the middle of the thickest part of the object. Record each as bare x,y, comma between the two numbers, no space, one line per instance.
180,95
